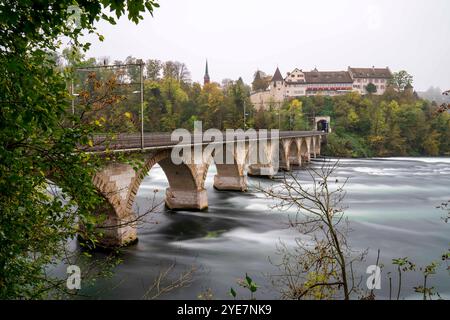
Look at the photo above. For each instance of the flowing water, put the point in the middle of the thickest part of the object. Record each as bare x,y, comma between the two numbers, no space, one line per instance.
391,205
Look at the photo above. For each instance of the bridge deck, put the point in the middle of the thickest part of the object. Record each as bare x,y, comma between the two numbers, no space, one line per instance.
133,142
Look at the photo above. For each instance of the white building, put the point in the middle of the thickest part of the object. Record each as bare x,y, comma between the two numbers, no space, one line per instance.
363,76
330,83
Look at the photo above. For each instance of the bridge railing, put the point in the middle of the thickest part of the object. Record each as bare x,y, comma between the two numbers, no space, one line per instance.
149,140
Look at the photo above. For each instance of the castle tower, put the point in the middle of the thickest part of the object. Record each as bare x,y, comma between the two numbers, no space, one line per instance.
277,78
277,86
206,79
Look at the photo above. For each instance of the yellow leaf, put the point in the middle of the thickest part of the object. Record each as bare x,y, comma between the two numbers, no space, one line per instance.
90,143
128,115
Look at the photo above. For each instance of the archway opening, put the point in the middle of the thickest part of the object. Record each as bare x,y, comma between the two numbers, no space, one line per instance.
229,171
322,125
304,151
293,154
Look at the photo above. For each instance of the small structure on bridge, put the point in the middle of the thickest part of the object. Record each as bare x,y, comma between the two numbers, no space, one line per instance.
322,124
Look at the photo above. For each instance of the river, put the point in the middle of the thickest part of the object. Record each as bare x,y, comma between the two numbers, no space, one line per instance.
391,206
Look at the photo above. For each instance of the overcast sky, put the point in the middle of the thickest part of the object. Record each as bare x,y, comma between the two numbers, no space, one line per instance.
240,36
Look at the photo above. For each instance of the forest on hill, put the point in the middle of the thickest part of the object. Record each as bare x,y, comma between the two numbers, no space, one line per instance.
397,123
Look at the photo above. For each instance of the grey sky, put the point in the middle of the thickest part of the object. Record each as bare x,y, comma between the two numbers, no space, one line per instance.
239,37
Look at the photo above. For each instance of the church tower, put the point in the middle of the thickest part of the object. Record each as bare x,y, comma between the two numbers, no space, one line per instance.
206,79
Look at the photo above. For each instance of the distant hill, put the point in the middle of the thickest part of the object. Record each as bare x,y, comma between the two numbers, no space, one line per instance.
434,94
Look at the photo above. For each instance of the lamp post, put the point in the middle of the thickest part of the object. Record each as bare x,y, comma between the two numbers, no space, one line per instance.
142,105
141,92
244,117
73,95
73,99
278,114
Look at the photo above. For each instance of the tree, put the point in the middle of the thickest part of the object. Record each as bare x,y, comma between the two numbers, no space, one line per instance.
400,80
261,81
211,106
37,144
322,266
153,69
176,70
371,88
297,120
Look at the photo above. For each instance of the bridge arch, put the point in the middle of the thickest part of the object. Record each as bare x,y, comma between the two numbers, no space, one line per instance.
284,154
230,176
119,183
294,153
304,150
317,143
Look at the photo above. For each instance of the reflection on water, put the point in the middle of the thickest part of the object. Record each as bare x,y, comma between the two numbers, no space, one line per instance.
391,206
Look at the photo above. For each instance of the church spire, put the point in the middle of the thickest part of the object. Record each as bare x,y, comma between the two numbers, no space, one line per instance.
206,77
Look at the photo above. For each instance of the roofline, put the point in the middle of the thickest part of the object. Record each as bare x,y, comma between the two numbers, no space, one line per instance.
337,82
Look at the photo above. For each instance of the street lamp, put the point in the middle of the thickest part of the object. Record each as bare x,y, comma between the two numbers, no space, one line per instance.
73,94
279,119
142,105
245,114
141,91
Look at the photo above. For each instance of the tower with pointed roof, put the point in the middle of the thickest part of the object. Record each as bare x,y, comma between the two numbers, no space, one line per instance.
277,77
206,79
277,89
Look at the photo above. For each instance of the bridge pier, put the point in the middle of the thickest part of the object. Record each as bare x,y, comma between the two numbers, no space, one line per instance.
230,177
186,199
230,183
116,231
261,170
117,226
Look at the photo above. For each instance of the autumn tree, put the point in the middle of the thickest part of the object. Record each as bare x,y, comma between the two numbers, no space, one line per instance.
371,88
176,70
36,142
400,80
261,81
320,267
153,69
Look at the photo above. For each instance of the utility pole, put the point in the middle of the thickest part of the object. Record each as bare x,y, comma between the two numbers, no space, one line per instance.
244,116
279,116
279,119
141,65
73,97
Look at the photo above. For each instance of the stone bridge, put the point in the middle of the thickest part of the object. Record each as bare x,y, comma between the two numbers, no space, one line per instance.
119,181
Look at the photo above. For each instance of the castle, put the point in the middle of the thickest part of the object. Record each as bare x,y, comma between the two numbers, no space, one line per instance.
330,83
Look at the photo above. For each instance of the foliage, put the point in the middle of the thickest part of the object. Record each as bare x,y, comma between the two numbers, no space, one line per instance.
39,139
393,124
371,88
397,123
321,264
401,80
248,284
261,81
